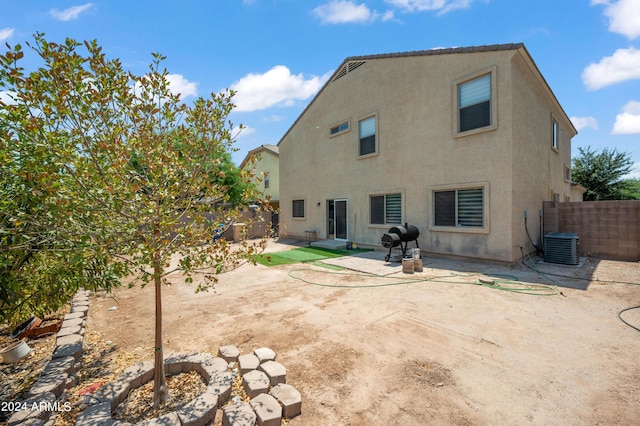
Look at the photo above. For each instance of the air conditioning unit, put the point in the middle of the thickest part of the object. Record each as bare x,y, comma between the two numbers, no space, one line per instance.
563,248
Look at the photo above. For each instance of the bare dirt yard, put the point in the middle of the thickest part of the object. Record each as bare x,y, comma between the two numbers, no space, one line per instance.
365,350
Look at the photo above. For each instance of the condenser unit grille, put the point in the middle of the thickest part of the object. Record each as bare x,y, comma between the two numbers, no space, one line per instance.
562,248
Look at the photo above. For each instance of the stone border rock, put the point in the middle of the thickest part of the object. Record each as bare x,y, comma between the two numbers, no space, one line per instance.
264,381
199,411
268,405
48,394
263,378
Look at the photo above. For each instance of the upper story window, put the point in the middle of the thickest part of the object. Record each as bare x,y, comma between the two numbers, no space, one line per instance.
340,128
554,134
266,182
474,103
367,136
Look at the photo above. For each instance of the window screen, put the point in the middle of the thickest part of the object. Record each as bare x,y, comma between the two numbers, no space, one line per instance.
377,209
367,136
393,208
470,207
339,128
298,208
474,99
462,207
386,209
445,208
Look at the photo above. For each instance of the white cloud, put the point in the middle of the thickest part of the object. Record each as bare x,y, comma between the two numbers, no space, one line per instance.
441,6
8,97
71,13
347,11
387,16
624,16
178,85
584,123
273,118
275,87
623,65
5,33
628,122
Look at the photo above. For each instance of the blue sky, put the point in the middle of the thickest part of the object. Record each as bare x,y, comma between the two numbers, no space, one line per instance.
278,53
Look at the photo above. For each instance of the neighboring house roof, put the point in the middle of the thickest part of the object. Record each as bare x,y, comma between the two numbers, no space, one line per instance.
353,62
273,149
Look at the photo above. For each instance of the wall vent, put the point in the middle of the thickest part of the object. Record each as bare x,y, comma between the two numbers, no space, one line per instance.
347,68
563,248
341,73
353,65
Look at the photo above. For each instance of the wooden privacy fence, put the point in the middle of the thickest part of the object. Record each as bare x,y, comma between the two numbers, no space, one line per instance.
607,229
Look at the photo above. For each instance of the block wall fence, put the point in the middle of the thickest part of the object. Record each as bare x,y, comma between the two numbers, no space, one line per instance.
607,229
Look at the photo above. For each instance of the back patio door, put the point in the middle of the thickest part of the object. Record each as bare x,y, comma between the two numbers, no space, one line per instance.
337,213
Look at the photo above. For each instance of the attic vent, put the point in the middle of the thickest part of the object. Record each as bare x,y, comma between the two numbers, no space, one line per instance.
353,65
562,248
340,73
347,68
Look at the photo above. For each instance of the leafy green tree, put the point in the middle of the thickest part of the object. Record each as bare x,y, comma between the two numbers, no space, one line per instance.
601,173
230,177
631,189
40,262
132,175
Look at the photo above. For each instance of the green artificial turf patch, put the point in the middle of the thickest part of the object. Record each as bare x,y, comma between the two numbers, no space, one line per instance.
303,254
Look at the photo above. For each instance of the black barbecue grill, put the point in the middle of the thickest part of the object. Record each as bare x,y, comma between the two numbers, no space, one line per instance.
400,236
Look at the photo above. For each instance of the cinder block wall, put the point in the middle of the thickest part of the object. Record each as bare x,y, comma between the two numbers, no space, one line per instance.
607,229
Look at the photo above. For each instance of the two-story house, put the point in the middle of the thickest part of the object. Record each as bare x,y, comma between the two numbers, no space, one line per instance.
463,143
264,163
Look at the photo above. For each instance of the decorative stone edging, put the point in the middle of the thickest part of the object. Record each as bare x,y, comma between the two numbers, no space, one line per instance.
47,395
271,397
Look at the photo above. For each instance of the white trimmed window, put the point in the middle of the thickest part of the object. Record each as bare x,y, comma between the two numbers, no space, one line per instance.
367,136
554,134
459,208
386,209
474,103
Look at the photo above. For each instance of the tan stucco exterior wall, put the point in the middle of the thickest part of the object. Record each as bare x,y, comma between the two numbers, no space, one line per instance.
538,168
267,164
419,151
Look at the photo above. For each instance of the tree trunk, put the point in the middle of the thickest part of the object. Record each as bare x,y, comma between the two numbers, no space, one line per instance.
160,389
